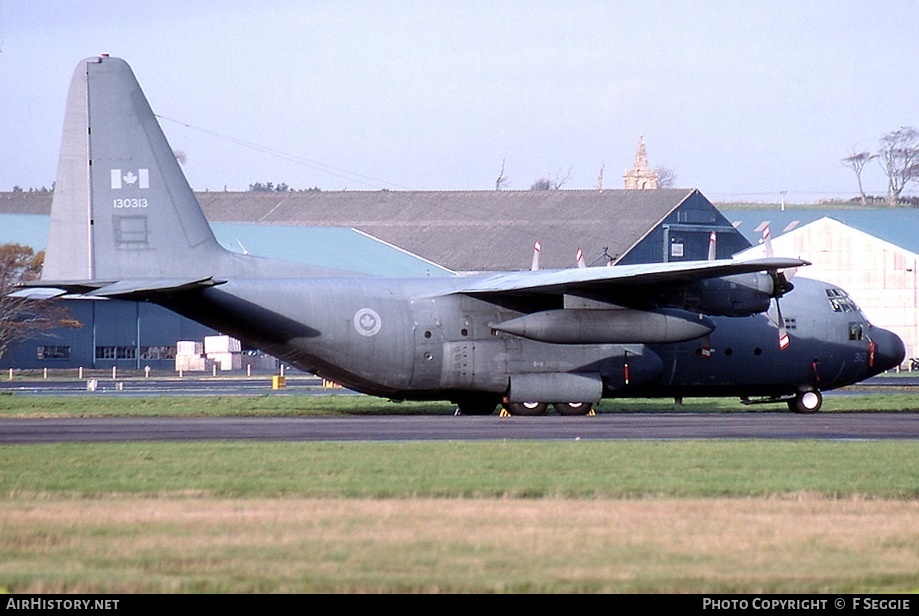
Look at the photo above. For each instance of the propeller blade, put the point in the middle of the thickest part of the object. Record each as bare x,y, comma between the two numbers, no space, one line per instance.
536,249
712,247
767,243
783,332
579,257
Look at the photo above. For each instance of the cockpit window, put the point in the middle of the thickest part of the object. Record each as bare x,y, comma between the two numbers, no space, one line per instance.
840,301
856,331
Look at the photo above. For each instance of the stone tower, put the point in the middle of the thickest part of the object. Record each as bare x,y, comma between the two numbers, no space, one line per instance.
640,177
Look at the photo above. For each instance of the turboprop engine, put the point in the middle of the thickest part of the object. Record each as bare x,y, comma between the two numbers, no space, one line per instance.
730,296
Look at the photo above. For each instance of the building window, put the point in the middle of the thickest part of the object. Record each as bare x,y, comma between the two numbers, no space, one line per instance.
53,352
116,352
157,352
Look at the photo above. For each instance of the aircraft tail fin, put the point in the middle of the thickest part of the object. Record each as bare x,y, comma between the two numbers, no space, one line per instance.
122,208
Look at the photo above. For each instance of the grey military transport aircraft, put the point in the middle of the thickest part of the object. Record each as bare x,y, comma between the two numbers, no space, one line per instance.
125,224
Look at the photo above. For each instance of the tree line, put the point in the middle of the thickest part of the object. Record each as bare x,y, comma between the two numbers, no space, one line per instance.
281,187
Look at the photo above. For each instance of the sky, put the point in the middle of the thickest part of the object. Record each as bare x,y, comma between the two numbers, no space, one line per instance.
743,100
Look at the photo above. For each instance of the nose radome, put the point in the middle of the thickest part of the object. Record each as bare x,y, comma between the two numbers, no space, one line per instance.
890,350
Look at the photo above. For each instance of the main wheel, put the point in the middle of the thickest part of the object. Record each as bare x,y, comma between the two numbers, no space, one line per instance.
527,409
806,402
573,408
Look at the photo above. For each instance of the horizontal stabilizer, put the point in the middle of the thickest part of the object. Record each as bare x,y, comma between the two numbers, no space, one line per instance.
121,289
38,293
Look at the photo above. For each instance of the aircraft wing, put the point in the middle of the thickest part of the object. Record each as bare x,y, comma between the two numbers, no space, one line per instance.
594,279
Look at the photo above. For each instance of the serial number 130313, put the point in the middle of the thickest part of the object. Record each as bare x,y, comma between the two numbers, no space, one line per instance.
122,203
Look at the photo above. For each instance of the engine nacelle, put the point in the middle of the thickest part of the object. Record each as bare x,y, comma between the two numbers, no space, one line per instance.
731,296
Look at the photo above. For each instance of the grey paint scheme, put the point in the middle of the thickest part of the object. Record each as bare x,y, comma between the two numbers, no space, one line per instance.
125,224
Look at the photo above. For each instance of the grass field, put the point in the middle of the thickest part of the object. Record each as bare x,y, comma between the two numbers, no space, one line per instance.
458,517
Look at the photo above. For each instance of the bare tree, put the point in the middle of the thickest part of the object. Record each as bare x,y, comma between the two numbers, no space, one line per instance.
554,181
558,180
502,180
20,318
666,177
856,162
899,158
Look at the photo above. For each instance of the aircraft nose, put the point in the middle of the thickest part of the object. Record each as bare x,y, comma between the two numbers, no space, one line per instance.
889,351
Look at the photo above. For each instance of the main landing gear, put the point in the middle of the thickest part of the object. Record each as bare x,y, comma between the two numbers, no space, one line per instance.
485,405
530,409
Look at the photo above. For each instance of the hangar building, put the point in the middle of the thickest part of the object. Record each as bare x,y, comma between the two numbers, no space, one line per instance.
871,253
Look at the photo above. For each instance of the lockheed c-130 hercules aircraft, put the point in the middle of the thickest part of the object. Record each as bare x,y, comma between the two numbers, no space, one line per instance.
125,224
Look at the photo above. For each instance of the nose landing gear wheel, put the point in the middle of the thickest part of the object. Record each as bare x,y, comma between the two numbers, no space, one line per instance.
806,402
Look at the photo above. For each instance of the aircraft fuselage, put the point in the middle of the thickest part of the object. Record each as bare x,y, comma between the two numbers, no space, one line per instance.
408,339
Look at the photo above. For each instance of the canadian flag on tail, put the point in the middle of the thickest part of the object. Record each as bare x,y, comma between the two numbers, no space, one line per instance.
129,179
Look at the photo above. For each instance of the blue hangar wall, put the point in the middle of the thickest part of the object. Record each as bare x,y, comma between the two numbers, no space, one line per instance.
126,335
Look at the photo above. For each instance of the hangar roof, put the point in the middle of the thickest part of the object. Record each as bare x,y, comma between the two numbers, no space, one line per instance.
468,230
